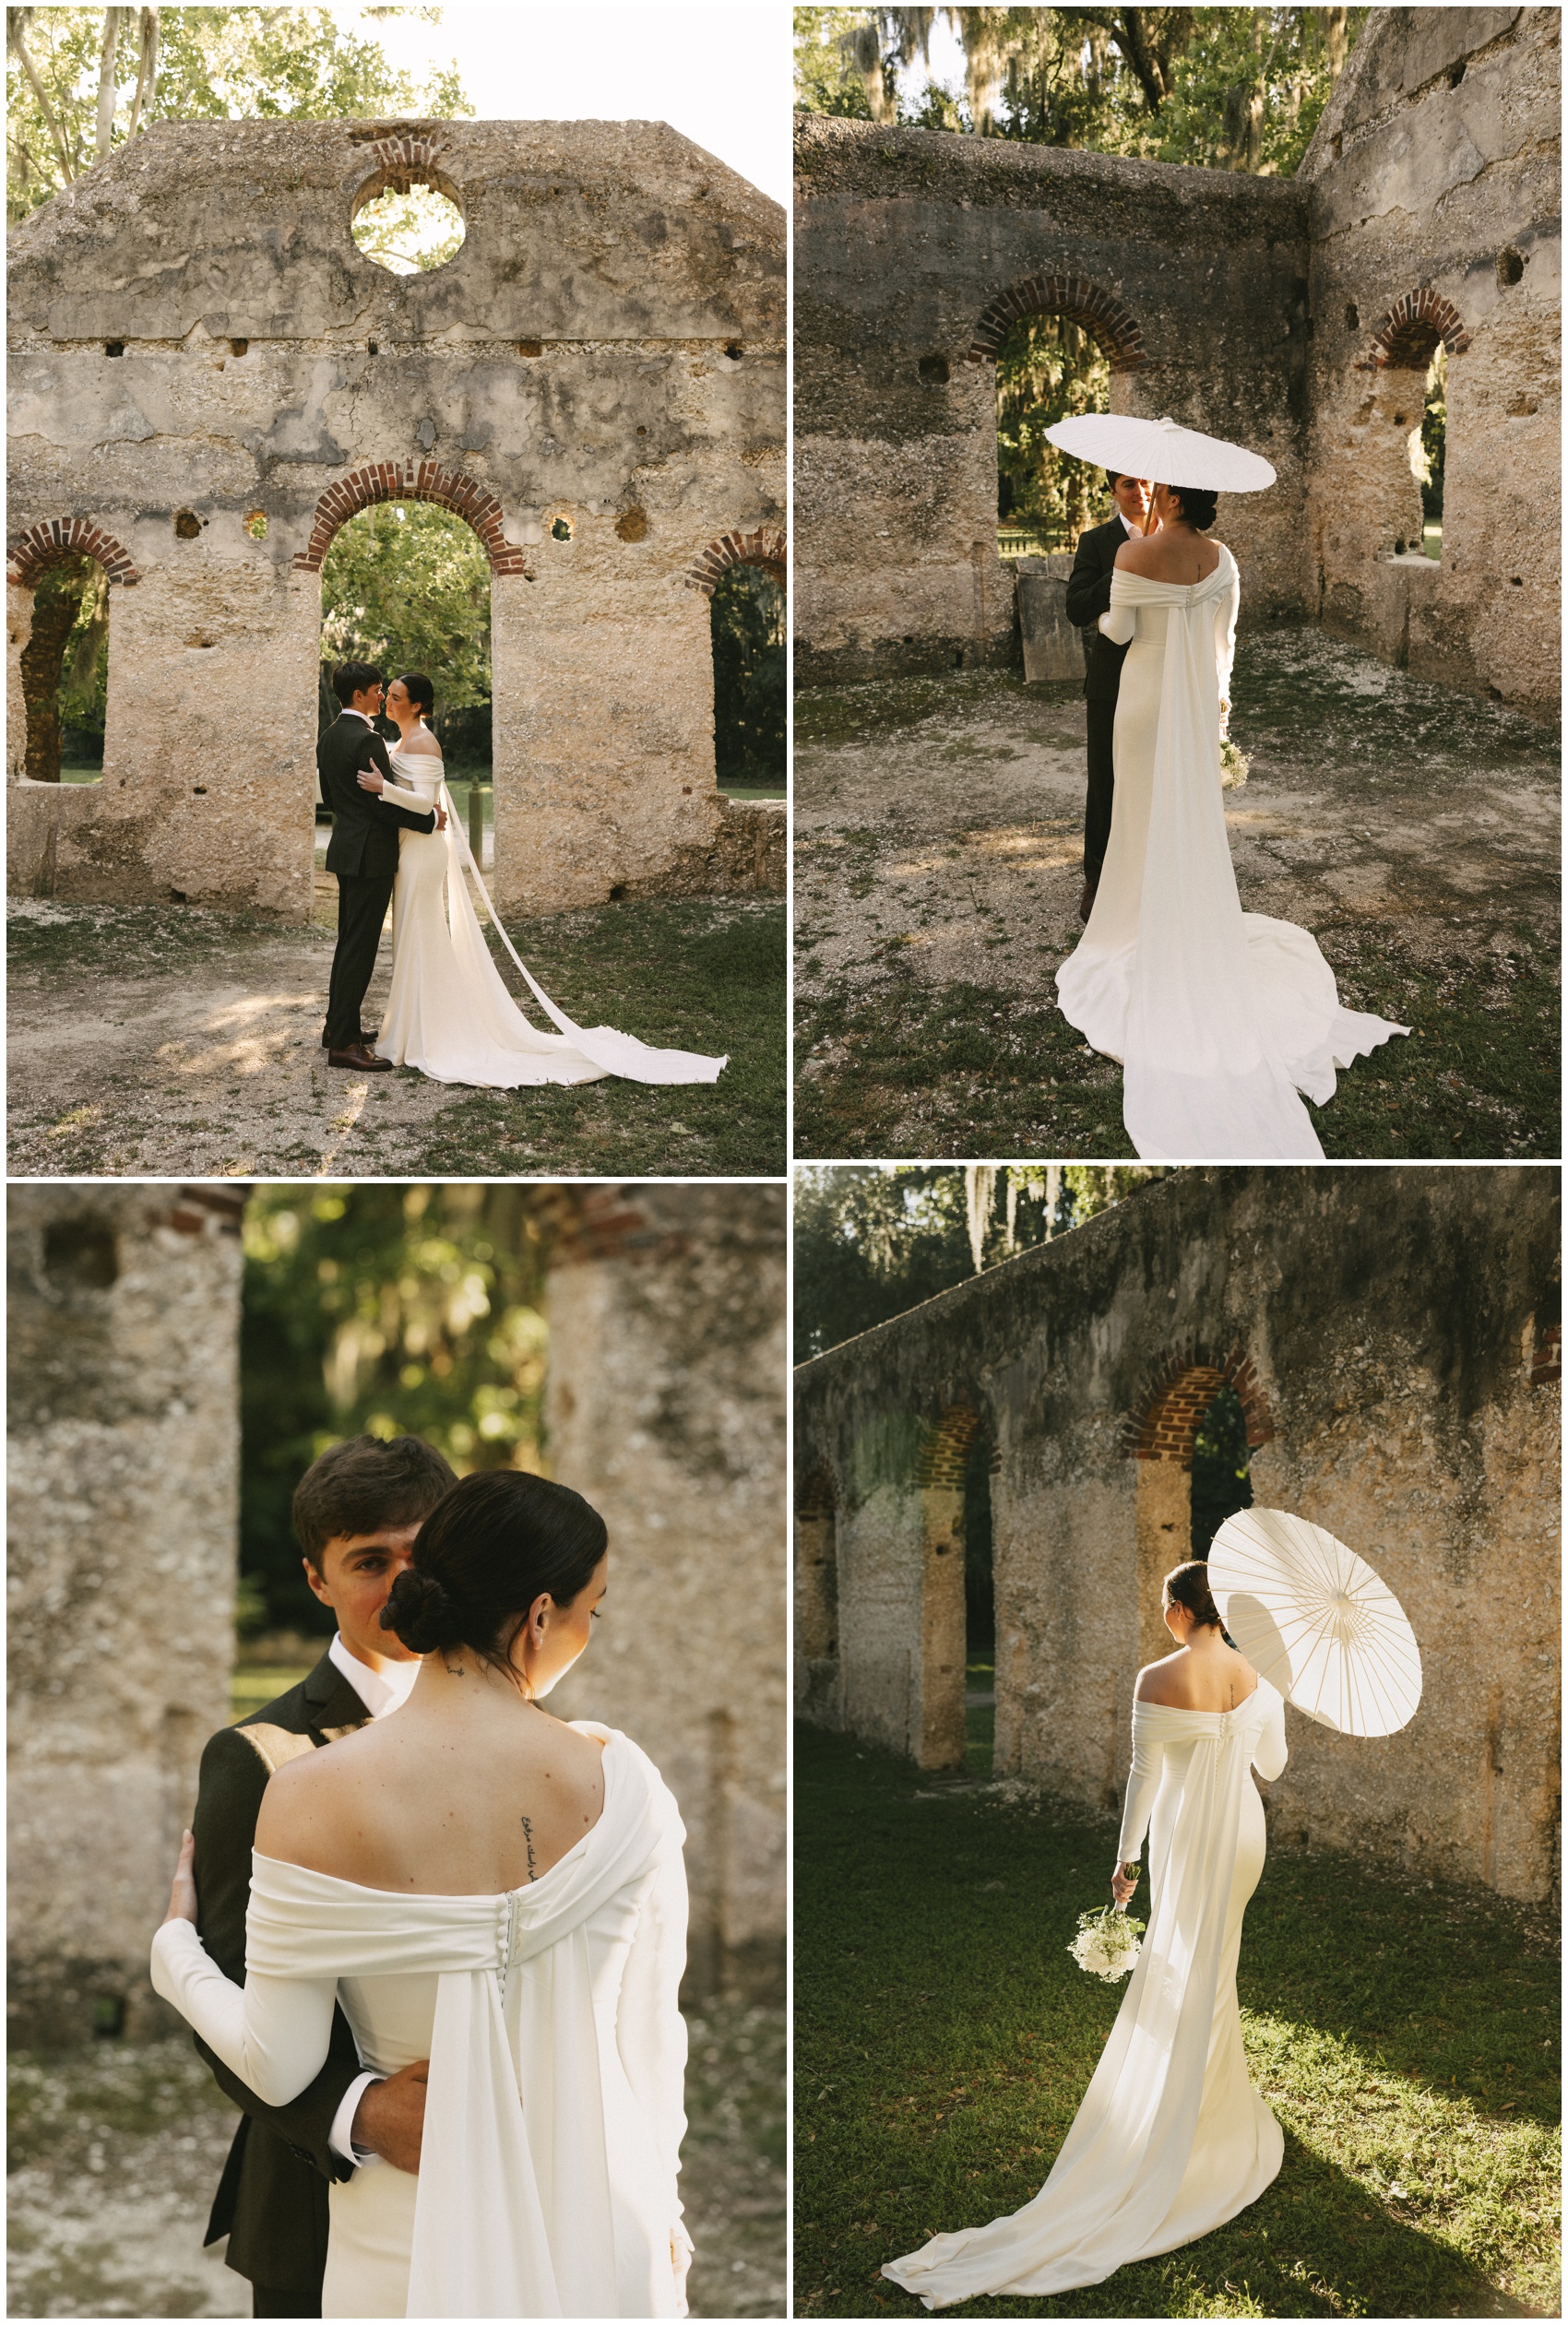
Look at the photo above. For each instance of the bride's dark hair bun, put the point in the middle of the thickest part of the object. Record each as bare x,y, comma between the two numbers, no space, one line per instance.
497,1542
1188,1586
421,1613
1198,509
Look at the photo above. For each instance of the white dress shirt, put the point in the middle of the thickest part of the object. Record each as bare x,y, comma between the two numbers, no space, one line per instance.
380,1692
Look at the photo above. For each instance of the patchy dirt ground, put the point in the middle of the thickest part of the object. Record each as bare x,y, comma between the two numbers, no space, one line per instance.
171,1040
115,2153
938,855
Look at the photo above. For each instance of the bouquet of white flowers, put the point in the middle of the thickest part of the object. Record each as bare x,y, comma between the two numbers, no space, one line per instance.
1235,766
1106,1943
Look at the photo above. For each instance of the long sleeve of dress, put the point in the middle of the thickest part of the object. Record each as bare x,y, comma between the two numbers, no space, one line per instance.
273,2033
1225,636
650,2034
1272,1753
1143,1782
1121,622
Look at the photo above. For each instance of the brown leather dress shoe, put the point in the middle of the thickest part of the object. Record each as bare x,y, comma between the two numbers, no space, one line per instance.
358,1060
364,1040
1086,902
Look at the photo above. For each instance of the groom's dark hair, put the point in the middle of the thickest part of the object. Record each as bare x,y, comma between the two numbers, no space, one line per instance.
353,678
367,1482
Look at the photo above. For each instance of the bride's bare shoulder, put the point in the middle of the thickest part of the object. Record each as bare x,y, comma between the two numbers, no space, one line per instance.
421,743
1135,555
1159,1682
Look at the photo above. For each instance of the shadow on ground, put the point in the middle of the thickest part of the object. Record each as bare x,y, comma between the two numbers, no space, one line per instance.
172,1041
115,2153
938,864
1404,2036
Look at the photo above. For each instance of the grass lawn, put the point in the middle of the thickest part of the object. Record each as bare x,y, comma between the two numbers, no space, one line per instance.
704,975
1405,2037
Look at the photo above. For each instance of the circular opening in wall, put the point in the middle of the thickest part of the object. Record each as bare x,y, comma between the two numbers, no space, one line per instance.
409,225
1510,269
632,524
561,530
256,523
935,371
187,525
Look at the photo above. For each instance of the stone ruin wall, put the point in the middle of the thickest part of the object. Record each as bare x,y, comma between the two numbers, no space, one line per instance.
1394,1336
196,339
1434,208
1223,300
124,1461
914,250
665,1406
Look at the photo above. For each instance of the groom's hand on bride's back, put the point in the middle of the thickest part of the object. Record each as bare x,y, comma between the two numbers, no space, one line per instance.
390,2116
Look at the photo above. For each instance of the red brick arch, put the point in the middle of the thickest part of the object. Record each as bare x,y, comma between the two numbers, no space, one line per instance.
1410,332
403,160
1164,1421
765,548
61,537
1111,323
410,481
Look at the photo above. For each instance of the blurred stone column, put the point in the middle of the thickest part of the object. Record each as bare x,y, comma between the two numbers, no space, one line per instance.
124,1451
664,1406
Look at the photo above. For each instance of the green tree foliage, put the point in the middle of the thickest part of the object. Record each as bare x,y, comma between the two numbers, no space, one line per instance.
410,233
1434,436
406,585
1047,369
210,65
1224,87
1221,1475
873,1242
748,666
387,1308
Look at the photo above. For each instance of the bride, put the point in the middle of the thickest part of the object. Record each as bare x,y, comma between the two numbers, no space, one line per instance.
1171,2139
503,1893
449,1014
1218,1018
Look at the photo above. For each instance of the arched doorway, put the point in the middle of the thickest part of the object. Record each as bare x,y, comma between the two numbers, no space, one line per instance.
63,574
743,578
956,1648
1055,341
1162,1435
1412,349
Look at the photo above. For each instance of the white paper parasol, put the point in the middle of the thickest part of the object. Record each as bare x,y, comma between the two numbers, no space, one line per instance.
1162,451
1314,1618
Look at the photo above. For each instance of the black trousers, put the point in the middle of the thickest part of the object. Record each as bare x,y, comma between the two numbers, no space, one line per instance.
1096,807
268,2300
362,908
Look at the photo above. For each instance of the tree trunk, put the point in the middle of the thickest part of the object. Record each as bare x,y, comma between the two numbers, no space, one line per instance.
1337,42
43,656
147,69
112,19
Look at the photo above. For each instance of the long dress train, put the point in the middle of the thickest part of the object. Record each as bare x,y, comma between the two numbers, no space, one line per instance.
1217,1016
449,1014
553,2120
1171,2139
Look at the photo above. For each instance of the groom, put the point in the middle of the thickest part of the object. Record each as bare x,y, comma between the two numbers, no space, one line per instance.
363,855
1089,596
356,1511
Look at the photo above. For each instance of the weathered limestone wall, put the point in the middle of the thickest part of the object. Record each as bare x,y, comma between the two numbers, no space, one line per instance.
1434,180
1394,1336
125,1448
1296,317
195,334
665,1407
904,240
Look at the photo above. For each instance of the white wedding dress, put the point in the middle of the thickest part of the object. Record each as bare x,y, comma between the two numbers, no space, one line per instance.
547,2182
1218,1018
1171,2139
449,1014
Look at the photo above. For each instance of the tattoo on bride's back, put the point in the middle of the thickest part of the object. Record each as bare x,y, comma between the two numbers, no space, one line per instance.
528,1843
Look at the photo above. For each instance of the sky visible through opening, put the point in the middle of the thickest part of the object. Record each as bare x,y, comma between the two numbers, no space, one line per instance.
720,74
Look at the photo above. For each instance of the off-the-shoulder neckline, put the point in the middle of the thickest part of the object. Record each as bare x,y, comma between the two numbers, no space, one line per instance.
608,1735
1145,1703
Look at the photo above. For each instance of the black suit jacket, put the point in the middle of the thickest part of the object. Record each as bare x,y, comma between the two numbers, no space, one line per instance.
1089,596
365,833
272,2201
